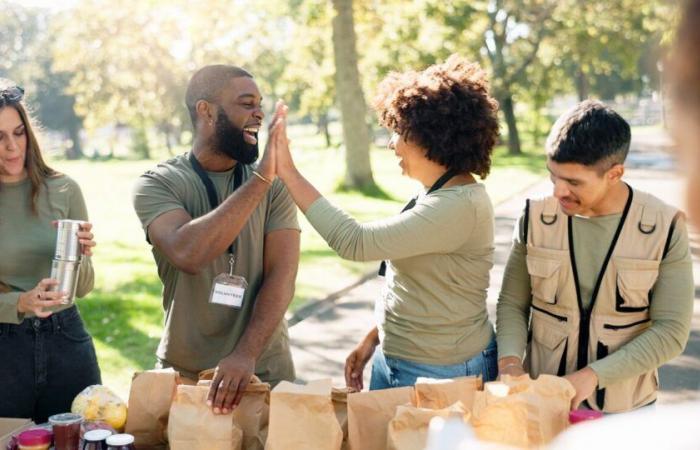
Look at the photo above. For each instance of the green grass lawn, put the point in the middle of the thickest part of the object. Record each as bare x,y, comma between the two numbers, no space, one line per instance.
124,312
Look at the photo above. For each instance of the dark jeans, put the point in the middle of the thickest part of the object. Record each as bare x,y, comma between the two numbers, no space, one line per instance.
44,364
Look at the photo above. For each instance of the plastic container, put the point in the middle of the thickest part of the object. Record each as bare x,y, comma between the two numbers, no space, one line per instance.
122,441
66,430
584,415
35,439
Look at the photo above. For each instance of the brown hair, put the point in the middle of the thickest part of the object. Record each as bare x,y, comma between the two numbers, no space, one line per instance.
37,169
445,109
684,63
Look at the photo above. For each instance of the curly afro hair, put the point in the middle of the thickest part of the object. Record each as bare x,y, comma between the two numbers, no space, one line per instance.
445,109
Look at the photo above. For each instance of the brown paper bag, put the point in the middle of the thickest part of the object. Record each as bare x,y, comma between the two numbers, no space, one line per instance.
252,413
408,430
150,398
302,417
193,425
432,393
339,396
521,412
369,414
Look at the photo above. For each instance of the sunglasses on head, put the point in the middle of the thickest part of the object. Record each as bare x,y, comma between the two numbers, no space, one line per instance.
11,95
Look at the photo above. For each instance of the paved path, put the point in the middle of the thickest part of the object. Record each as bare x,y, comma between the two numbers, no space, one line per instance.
321,341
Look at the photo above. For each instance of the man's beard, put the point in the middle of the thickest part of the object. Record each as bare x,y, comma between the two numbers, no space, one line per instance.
229,140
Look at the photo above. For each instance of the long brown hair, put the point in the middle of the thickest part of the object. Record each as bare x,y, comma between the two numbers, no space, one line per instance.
37,169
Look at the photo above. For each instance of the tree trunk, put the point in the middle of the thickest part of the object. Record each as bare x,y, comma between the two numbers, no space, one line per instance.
323,127
513,137
76,150
582,86
358,171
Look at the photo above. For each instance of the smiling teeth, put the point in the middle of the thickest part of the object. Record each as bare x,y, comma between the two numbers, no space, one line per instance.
251,129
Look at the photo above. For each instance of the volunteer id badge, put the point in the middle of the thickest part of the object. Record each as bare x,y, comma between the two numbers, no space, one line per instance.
228,289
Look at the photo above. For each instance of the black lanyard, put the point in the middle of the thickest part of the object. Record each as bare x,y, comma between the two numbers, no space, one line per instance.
211,190
447,176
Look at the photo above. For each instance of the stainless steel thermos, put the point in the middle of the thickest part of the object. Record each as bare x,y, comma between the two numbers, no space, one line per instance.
65,266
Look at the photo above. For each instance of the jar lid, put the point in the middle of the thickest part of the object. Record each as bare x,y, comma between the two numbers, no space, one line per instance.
120,439
96,435
34,437
65,419
580,415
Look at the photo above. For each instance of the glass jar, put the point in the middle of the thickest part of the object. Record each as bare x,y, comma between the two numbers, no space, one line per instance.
95,440
122,441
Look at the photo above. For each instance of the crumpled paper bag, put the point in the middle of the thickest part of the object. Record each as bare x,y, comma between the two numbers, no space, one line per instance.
408,430
193,425
303,417
522,412
369,414
150,398
431,393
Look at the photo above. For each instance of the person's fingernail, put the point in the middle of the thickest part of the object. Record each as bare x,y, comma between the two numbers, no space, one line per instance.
224,411
208,402
217,410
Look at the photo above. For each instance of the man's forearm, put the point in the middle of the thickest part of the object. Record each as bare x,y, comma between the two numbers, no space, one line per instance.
270,306
203,239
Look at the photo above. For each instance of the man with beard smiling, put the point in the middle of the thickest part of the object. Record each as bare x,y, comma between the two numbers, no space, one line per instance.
599,285
225,238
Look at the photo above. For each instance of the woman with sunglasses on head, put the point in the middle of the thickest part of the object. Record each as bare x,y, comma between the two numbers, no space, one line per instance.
47,355
432,319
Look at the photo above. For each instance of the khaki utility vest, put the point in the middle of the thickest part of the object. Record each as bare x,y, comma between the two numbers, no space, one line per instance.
564,337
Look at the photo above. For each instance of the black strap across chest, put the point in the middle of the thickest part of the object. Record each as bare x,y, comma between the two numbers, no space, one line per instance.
440,182
211,190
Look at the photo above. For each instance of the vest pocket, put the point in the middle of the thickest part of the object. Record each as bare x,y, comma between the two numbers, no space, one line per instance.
547,347
635,279
632,392
544,278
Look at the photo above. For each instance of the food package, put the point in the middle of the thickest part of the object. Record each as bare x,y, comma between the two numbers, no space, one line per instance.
522,412
99,403
433,393
150,398
302,417
408,430
369,414
192,425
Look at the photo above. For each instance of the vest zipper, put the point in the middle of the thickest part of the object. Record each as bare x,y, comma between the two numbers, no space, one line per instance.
556,316
608,326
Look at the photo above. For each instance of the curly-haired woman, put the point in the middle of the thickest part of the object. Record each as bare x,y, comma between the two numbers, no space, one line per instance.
432,319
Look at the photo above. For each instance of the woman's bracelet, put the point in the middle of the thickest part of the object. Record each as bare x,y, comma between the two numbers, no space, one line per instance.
262,177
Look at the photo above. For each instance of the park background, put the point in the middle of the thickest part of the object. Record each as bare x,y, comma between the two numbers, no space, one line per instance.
106,80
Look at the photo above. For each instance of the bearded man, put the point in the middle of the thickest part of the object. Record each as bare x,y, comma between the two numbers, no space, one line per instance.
225,238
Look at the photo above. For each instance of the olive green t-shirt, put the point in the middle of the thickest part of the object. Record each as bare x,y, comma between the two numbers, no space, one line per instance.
671,310
28,240
198,334
433,309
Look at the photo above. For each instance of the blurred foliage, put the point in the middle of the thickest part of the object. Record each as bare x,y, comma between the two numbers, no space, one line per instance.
106,62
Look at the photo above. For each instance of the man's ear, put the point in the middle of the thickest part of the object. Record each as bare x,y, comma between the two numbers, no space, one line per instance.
616,172
205,112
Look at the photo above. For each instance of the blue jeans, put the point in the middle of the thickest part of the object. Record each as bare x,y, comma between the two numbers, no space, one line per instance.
44,364
388,372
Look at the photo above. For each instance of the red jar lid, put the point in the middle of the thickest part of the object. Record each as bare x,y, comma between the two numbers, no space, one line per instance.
580,415
34,437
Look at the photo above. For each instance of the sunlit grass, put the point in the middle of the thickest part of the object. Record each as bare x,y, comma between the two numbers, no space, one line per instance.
124,312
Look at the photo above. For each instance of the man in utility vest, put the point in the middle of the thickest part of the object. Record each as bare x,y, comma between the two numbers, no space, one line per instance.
598,286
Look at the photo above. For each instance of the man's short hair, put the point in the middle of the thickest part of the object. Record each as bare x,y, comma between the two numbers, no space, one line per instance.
589,134
207,83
